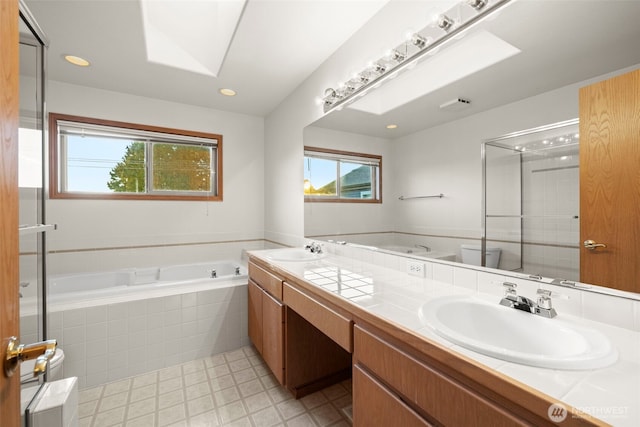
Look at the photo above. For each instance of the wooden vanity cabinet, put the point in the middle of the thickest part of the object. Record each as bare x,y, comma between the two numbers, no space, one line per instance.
306,344
266,318
311,338
374,404
411,390
305,341
255,315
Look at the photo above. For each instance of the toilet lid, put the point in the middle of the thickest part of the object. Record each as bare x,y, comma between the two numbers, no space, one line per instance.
26,367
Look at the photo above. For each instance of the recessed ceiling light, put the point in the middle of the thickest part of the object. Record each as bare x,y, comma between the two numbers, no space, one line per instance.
392,126
228,92
76,60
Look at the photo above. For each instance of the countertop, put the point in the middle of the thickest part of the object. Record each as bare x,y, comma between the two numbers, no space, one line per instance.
611,394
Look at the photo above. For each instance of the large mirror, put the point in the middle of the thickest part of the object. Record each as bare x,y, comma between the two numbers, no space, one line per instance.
520,70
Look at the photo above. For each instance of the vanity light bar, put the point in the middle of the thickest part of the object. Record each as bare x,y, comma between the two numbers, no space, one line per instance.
448,25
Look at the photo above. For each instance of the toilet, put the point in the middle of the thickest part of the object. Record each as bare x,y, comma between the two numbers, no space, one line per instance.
54,371
471,254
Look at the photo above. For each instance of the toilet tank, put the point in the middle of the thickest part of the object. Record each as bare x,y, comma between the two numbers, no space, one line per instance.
472,254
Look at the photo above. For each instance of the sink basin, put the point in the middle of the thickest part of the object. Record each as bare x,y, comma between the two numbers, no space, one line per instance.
293,254
516,336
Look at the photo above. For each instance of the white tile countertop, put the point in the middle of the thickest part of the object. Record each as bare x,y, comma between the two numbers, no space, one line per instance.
611,394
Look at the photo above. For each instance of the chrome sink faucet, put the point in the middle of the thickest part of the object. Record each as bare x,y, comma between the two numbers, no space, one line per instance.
313,247
543,307
426,248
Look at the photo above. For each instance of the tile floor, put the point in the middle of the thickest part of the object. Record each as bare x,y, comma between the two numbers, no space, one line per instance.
230,389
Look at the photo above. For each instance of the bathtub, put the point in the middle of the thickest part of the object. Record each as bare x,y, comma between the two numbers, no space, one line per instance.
143,282
419,251
116,324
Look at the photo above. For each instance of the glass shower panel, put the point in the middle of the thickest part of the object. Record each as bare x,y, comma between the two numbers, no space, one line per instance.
531,199
551,225
31,204
503,228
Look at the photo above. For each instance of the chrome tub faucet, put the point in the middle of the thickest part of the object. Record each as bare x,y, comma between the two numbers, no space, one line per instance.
313,247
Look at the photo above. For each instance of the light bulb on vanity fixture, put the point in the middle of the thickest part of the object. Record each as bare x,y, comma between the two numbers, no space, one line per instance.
477,4
419,41
448,25
445,22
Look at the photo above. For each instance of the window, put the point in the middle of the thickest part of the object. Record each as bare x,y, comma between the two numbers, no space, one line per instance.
98,159
340,176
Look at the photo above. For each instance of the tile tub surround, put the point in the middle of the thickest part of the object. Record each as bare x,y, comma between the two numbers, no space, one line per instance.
377,283
232,388
121,338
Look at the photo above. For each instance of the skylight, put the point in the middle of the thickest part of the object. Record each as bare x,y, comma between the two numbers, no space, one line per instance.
471,54
190,34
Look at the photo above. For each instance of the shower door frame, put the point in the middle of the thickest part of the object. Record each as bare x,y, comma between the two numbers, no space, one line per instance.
39,41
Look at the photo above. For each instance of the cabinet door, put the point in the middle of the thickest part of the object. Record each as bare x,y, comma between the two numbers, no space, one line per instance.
375,405
255,315
273,335
441,398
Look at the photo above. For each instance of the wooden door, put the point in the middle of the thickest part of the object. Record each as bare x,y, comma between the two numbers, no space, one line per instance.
610,182
273,335
9,276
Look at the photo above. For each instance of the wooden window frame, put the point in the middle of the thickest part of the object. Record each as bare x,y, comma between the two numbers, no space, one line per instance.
54,162
337,199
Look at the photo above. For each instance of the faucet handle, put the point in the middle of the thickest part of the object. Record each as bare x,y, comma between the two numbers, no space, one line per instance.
545,307
544,298
510,290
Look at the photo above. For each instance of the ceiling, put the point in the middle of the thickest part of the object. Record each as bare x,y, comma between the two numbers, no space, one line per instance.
279,43
560,41
276,46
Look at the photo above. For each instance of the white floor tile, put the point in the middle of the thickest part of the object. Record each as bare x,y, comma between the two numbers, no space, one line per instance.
229,389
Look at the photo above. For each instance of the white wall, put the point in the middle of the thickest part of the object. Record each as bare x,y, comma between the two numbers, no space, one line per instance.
147,226
284,211
446,159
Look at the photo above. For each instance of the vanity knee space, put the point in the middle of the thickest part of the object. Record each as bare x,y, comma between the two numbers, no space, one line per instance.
306,344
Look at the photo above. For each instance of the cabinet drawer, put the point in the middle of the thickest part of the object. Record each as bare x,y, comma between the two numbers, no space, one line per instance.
374,404
443,399
266,280
332,324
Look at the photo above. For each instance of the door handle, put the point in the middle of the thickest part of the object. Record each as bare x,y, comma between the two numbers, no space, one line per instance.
16,353
592,245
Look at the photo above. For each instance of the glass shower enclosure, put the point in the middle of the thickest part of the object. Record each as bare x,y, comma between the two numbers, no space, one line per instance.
531,200
32,169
